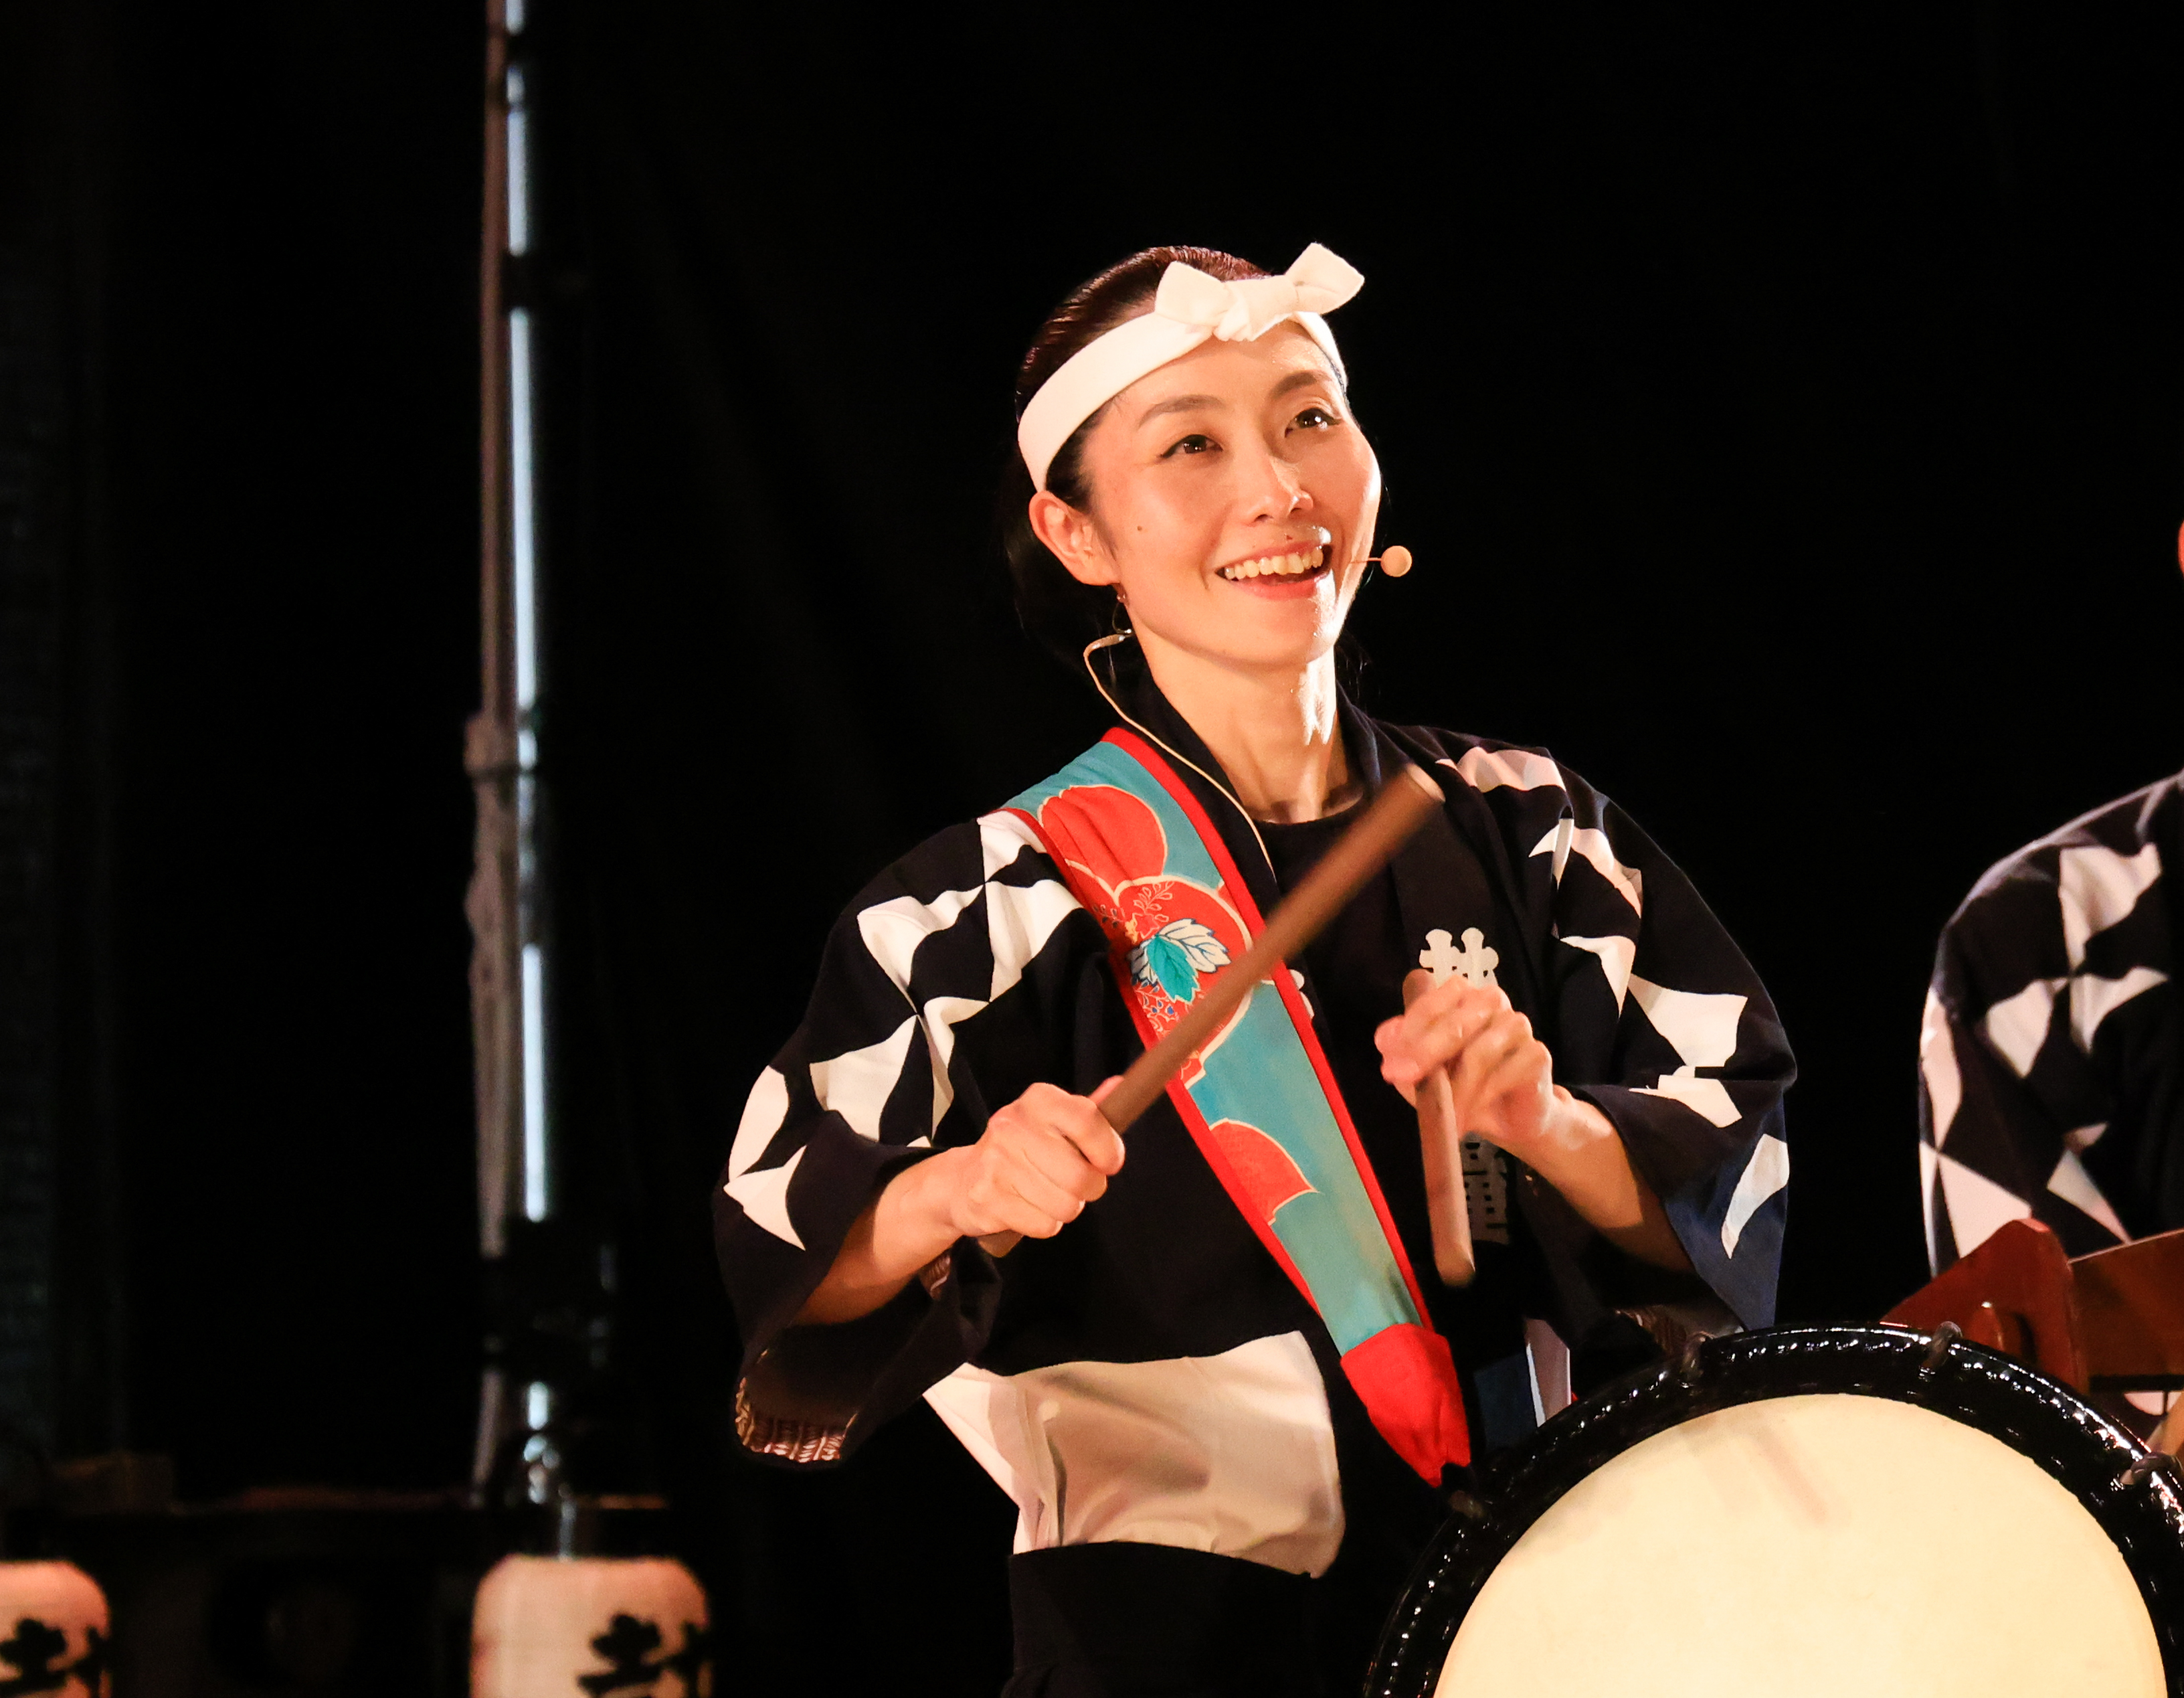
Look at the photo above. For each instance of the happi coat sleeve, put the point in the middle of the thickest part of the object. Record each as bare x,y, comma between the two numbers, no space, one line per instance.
2051,1054
1651,1012
949,987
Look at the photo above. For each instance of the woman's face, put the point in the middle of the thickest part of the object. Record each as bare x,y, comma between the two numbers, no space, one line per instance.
1231,500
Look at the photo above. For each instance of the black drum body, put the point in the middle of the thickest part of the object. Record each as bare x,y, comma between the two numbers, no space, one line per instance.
1750,1456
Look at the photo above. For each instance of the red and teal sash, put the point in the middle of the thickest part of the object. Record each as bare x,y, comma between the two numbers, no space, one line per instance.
1139,853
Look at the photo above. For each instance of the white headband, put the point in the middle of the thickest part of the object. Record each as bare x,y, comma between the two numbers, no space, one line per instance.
1191,307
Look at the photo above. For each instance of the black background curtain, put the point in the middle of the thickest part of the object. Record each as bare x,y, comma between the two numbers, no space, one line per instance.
239,394
1785,411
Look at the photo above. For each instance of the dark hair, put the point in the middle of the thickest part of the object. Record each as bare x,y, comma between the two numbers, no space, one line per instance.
1060,613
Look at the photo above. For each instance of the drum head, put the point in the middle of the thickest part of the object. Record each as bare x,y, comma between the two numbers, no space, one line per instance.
1810,1512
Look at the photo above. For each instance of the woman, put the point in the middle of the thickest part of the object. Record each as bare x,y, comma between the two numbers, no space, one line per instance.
1210,1376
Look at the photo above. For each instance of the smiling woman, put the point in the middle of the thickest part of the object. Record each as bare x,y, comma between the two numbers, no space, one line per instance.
1212,1380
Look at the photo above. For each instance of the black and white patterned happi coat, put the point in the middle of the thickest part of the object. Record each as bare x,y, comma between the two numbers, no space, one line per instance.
1150,1374
2051,1057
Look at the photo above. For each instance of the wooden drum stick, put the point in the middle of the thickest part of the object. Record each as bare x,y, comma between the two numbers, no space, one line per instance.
1401,806
1440,1143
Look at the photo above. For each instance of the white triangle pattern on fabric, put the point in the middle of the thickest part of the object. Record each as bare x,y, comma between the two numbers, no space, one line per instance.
1486,770
1003,836
1937,1066
765,1112
1930,1170
1592,846
1766,1173
2075,1186
763,1196
1978,1207
941,1014
856,1086
2098,887
894,929
2093,999
1616,954
1708,1098
1019,920
1557,843
2016,1027
1701,1026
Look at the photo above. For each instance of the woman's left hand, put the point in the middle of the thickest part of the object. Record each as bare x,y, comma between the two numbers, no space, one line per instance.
1502,1078
1502,1086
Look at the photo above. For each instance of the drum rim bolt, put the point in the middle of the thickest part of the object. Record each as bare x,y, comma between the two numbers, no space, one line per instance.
1937,1348
1687,1359
2142,1468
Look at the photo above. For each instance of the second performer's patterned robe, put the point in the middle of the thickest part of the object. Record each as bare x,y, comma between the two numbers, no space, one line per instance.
2051,1057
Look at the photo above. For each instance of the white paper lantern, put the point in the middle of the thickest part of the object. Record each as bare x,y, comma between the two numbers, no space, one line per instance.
611,1627
53,1631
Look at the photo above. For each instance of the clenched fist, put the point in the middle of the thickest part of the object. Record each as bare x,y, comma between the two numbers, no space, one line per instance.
1033,1169
1501,1079
1039,1162
1502,1086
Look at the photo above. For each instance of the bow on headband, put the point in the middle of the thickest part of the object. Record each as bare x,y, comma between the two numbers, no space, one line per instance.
1319,281
1190,308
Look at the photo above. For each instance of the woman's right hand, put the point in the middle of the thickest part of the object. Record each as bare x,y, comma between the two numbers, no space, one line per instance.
1033,1169
1039,1162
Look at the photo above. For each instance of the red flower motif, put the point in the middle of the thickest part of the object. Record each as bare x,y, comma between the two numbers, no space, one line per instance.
1109,833
1116,840
1267,1173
